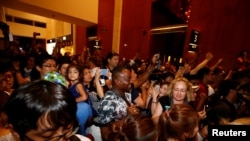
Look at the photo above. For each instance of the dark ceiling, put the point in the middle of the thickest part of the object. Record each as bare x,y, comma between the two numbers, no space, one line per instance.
169,12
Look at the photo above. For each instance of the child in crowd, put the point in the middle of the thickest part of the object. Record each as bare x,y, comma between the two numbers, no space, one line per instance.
84,111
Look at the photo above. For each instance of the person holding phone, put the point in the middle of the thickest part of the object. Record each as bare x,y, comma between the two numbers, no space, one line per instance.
140,83
112,61
155,93
104,75
178,92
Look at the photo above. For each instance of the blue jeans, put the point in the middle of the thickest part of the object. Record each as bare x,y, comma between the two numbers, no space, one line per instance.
83,113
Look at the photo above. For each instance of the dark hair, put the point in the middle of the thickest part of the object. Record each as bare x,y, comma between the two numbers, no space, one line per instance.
245,88
111,55
117,71
168,74
225,86
218,70
94,61
241,54
63,60
37,102
5,67
83,69
238,75
133,67
202,72
164,83
43,58
190,76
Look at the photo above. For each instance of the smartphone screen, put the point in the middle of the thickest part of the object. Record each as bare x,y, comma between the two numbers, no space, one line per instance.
167,107
102,82
104,71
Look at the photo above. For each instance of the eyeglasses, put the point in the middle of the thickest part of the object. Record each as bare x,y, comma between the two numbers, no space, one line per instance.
64,137
49,66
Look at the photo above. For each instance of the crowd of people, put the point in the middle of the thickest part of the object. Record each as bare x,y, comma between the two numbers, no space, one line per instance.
48,97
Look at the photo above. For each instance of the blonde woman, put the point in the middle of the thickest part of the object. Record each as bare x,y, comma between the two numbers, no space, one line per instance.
179,92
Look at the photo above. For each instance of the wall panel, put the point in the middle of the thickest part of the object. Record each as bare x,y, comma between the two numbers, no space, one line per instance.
224,29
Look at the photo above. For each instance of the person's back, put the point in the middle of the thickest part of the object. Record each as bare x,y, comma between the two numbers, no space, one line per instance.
205,76
224,108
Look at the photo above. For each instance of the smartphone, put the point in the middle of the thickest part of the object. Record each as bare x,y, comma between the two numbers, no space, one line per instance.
104,72
102,82
167,107
205,108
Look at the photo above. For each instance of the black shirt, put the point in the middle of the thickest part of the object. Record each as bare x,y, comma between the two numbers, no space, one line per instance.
222,110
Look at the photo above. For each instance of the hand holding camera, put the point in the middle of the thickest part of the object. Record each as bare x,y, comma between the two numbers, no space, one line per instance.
104,73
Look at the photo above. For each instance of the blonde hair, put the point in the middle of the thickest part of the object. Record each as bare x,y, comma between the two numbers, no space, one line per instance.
189,95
